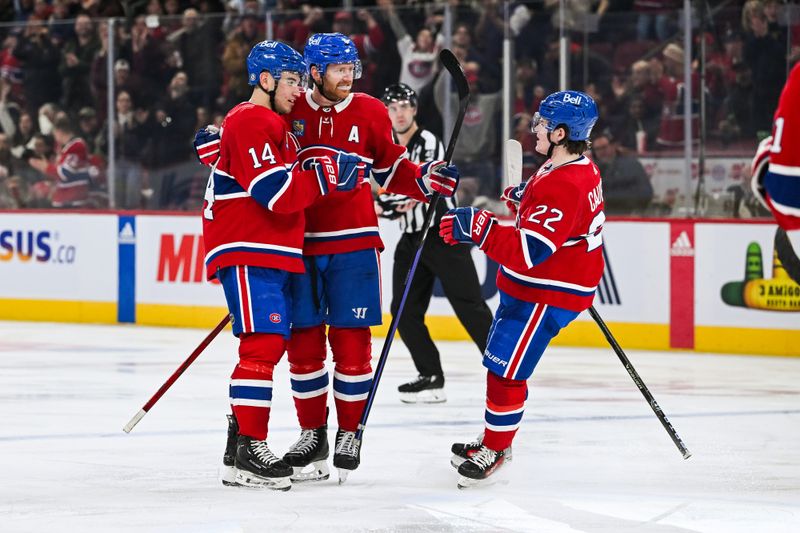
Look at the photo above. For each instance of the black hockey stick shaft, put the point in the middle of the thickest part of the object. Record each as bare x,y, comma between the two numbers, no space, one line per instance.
787,255
452,65
175,375
640,384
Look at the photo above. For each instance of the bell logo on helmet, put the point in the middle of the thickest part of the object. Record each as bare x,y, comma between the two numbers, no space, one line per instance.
572,99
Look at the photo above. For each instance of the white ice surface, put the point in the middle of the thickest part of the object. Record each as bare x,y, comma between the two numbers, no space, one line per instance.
590,455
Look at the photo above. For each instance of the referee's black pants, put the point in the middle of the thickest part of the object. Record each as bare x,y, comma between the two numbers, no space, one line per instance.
455,269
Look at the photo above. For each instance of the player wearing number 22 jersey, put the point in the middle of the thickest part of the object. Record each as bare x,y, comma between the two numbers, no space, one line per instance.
551,261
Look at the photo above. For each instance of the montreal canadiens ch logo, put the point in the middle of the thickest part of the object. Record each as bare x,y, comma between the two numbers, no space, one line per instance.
275,317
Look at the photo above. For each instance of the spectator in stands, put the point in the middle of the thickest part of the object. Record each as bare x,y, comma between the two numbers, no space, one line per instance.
626,186
766,56
635,131
76,63
476,149
655,18
10,193
239,44
148,61
23,134
368,44
174,129
40,59
131,131
528,92
418,57
71,171
197,43
738,119
89,128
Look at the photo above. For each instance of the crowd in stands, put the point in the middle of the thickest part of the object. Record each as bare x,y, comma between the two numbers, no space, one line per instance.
179,64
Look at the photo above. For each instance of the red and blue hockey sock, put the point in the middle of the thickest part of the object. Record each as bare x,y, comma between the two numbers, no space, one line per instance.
505,403
352,378
251,382
308,375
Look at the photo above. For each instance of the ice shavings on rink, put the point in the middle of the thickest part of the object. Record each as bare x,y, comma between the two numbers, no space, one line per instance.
590,456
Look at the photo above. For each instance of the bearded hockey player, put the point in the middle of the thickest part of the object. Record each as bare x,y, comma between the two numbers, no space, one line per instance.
253,234
341,286
551,261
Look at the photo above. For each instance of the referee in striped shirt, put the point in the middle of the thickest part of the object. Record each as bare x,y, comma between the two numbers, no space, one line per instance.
451,264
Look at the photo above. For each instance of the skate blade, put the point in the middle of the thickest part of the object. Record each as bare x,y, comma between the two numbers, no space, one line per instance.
343,473
469,483
228,476
427,396
316,471
456,461
250,480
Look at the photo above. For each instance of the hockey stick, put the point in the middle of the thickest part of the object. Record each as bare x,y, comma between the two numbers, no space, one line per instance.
452,65
514,164
513,159
787,255
175,375
640,384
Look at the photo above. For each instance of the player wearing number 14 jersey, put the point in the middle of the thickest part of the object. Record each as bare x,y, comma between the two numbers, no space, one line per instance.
551,261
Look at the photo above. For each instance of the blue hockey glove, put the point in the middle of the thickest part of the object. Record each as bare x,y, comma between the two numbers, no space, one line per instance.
206,145
466,224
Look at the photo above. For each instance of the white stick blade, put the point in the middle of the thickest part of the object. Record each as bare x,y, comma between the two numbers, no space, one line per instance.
513,150
135,420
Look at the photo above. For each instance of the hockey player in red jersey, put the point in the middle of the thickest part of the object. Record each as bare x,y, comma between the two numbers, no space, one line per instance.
71,172
253,234
551,261
776,172
341,286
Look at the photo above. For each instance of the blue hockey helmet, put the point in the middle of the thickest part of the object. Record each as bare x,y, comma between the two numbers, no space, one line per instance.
574,109
323,49
275,57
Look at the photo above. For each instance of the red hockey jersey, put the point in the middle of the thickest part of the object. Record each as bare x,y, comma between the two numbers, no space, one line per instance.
782,181
553,254
253,208
71,173
360,125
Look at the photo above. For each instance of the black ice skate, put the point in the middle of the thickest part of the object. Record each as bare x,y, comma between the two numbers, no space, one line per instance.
257,466
311,449
228,467
479,467
424,389
462,451
347,454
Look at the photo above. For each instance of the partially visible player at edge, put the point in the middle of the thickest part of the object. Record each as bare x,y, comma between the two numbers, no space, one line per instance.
551,261
253,234
341,285
776,166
